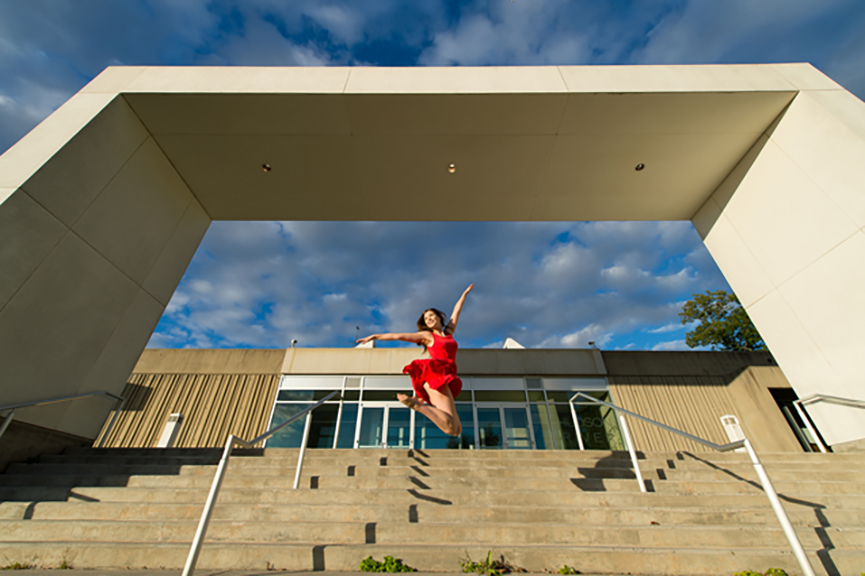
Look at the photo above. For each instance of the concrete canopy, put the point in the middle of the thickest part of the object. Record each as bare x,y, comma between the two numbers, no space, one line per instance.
104,203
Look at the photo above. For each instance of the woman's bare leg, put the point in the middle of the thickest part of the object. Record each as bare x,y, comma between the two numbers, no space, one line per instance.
442,411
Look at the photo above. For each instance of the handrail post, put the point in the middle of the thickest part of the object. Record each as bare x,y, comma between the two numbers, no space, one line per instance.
7,421
810,428
194,551
302,449
577,426
632,452
780,513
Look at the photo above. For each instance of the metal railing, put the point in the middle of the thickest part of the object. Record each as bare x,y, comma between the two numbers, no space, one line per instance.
814,398
233,441
119,400
768,488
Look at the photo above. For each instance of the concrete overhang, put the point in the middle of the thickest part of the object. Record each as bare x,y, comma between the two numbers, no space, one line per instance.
535,143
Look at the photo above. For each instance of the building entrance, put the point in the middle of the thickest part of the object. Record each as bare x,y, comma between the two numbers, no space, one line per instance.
504,426
384,425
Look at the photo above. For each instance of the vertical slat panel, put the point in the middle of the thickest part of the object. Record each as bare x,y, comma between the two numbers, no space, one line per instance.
213,406
693,404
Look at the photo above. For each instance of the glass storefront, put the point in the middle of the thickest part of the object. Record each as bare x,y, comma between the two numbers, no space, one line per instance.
496,414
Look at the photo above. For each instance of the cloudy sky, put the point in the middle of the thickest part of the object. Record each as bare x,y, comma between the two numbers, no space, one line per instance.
561,284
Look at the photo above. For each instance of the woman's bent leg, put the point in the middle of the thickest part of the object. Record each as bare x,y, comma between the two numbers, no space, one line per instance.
442,411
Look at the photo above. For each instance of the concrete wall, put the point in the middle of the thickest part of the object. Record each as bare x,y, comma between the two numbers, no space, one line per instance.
786,229
96,230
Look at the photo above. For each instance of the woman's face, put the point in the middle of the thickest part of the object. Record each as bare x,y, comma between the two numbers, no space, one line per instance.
432,320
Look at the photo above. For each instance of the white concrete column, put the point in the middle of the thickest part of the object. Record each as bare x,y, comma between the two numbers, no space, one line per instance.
96,230
787,228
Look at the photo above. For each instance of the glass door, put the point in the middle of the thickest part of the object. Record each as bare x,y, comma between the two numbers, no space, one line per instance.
504,427
383,425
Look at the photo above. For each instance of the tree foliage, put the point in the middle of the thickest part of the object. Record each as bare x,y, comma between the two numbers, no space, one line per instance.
724,324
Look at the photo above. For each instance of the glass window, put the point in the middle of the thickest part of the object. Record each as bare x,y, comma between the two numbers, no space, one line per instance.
575,384
517,428
467,419
536,396
387,382
302,395
347,426
598,426
563,424
490,428
398,427
559,396
323,426
351,395
385,395
542,426
500,396
311,382
427,435
497,384
371,427
292,435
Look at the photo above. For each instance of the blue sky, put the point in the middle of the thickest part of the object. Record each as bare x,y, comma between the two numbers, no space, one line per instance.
261,284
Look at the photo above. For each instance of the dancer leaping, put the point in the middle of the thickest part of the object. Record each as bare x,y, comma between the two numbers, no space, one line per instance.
434,379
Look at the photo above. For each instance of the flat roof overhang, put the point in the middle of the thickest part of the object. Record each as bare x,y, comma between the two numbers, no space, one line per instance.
537,143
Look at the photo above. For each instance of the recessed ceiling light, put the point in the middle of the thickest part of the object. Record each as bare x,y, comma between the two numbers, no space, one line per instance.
266,167
452,168
640,166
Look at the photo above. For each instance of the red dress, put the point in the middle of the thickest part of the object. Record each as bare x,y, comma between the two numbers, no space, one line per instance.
438,371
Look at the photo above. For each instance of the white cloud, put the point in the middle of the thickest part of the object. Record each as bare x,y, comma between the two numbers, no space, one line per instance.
672,345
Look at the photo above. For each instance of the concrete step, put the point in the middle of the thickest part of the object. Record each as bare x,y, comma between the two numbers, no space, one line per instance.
416,496
423,512
435,558
498,534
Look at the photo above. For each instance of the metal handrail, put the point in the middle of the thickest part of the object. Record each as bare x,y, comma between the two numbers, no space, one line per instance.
814,398
233,441
768,488
12,407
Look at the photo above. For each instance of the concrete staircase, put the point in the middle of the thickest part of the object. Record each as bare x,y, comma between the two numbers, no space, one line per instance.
128,508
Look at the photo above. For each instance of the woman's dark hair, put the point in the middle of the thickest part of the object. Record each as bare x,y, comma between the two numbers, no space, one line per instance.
421,325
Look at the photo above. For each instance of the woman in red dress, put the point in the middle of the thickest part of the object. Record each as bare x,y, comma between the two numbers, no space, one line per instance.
434,379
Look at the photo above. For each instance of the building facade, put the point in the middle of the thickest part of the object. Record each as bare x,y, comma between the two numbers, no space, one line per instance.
512,399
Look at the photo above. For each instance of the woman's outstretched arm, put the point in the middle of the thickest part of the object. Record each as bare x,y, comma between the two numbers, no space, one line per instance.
458,307
414,337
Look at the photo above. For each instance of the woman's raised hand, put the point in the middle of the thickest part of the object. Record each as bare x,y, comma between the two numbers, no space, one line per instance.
365,340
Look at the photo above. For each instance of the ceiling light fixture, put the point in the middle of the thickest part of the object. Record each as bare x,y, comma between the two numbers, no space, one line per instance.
452,168
640,166
266,167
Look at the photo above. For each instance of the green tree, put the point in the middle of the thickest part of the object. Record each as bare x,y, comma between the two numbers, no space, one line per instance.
724,324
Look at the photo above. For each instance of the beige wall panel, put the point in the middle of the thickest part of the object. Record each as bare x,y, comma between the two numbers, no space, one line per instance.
594,175
783,217
826,154
70,181
114,79
57,324
706,113
242,113
761,420
22,160
28,233
168,270
241,361
454,80
243,79
805,77
844,107
213,405
791,344
722,78
733,256
450,114
133,218
348,361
